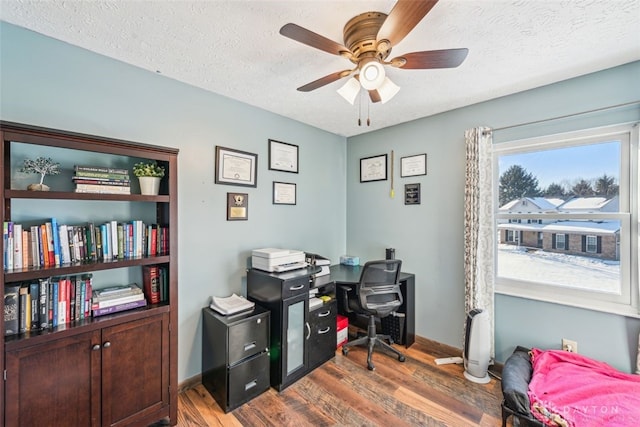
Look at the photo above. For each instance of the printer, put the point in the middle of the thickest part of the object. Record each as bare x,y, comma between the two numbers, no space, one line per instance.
276,260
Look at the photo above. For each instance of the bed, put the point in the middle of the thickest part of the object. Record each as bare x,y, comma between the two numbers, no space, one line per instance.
558,388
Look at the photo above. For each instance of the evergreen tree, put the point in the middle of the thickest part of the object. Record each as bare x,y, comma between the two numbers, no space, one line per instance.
515,183
606,186
555,191
582,189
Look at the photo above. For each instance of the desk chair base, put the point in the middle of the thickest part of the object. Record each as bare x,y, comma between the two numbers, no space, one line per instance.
373,339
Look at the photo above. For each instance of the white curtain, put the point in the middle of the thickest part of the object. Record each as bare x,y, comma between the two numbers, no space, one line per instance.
479,233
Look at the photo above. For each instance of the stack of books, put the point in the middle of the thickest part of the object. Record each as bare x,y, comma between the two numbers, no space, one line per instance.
117,298
103,180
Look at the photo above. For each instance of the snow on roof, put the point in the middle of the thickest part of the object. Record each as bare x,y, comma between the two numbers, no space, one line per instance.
583,203
597,227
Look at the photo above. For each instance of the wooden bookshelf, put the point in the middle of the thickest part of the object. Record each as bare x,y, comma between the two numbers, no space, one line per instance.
118,369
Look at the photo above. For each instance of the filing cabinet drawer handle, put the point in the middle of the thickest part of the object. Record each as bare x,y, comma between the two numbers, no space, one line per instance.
324,331
250,384
250,346
325,314
296,288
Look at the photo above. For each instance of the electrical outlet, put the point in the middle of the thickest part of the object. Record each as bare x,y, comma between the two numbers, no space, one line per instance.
570,346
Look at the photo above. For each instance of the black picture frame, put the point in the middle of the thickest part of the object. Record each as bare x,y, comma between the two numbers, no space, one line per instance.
373,168
236,167
413,165
284,193
237,206
283,156
412,194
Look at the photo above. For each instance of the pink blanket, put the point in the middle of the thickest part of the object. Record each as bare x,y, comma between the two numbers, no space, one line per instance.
569,389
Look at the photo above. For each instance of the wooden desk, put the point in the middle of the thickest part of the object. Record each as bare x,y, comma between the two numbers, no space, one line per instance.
350,275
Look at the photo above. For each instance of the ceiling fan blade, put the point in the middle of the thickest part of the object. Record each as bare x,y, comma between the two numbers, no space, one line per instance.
446,58
404,16
374,96
302,35
324,81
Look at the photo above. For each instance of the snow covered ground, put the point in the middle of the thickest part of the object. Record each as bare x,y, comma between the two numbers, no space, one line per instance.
559,269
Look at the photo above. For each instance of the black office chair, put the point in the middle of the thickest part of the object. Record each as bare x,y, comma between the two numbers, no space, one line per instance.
377,295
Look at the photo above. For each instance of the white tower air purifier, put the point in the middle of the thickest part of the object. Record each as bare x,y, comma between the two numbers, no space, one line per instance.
476,346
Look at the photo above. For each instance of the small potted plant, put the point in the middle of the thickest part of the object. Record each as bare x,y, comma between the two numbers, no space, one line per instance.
42,165
149,174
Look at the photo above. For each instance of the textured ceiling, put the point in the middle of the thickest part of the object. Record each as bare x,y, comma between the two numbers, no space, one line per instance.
233,48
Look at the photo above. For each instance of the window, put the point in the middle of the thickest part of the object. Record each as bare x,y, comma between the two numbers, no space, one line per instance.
591,243
582,218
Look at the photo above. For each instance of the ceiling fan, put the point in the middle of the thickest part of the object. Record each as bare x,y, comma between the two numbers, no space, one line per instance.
368,40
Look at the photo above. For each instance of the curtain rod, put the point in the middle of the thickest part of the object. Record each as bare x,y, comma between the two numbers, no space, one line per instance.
566,116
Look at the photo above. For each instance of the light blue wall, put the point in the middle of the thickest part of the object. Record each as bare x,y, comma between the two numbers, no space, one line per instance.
429,237
49,83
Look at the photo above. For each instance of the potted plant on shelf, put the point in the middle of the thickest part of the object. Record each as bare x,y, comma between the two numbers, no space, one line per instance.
149,174
42,165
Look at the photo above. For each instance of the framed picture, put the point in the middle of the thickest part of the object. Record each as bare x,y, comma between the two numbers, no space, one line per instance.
373,168
235,167
412,194
413,165
237,206
283,157
284,193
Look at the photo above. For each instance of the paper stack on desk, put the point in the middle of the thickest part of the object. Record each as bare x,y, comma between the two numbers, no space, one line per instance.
230,305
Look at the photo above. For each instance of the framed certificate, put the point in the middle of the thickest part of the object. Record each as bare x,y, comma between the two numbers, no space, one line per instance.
283,157
413,165
284,193
373,168
235,167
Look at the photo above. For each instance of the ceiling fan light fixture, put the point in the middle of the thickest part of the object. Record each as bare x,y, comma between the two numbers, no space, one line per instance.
387,90
372,75
350,90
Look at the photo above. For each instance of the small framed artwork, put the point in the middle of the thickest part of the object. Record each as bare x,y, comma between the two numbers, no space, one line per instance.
237,206
284,193
413,165
283,156
412,194
373,168
235,167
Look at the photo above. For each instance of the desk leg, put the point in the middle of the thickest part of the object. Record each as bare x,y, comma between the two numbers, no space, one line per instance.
408,289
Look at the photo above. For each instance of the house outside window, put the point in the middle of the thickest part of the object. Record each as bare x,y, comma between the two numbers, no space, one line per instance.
579,245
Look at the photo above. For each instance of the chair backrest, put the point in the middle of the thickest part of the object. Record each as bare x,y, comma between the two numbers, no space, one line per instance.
379,290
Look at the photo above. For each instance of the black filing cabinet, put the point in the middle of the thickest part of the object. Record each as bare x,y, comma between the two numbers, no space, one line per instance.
323,336
235,355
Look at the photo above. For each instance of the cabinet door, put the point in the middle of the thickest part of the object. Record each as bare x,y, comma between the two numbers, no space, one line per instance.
295,335
54,384
135,380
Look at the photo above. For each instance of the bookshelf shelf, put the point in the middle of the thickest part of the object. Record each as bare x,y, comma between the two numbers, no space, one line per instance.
94,348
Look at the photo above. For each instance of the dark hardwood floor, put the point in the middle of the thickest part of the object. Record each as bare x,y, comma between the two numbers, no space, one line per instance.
342,392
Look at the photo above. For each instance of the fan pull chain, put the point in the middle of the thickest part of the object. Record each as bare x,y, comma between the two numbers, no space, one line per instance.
368,115
359,108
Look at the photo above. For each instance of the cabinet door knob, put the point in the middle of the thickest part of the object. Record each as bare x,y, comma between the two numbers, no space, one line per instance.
107,344
95,347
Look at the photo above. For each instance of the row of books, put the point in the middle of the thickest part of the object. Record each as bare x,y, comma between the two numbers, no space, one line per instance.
102,180
52,244
46,303
56,301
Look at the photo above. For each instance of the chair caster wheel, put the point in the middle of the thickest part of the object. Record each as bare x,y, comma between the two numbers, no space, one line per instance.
371,367
345,351
401,358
